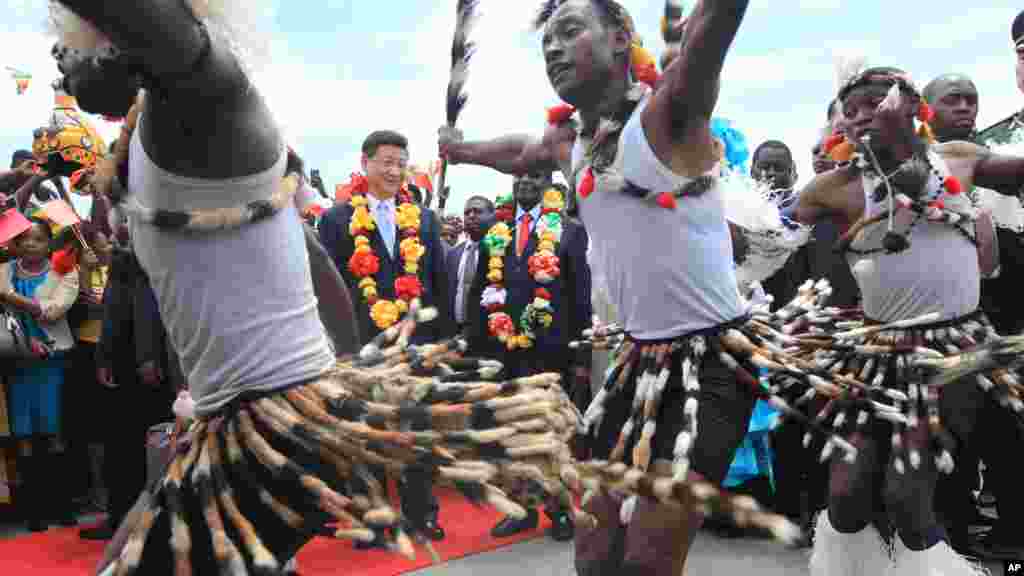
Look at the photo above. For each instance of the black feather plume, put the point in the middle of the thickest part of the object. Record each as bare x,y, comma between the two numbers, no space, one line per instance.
462,52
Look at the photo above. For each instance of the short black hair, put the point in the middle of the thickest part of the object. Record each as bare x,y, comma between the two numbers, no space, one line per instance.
485,200
383,138
612,13
20,156
777,144
1017,30
930,92
833,109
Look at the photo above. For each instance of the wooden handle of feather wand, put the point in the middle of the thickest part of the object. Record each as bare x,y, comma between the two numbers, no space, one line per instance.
442,189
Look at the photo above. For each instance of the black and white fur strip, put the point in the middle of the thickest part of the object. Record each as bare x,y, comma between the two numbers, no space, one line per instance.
268,473
218,219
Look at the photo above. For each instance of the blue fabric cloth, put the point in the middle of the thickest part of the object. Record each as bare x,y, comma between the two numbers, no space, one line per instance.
737,152
35,394
27,287
754,456
35,386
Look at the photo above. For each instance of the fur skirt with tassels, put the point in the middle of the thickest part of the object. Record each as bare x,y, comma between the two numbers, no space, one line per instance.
895,373
252,484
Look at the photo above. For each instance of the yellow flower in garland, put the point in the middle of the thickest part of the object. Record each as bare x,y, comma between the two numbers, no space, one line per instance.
553,200
408,216
411,250
362,244
385,313
362,221
547,242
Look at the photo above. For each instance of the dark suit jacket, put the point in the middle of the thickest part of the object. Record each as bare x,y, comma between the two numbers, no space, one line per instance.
570,294
338,242
133,332
454,258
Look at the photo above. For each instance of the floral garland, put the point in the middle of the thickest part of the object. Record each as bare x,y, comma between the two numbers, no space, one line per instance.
364,263
544,267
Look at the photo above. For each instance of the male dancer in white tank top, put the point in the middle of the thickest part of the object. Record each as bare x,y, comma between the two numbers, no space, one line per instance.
279,428
641,166
918,248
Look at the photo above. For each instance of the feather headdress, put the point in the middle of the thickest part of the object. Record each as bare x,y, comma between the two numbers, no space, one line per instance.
847,67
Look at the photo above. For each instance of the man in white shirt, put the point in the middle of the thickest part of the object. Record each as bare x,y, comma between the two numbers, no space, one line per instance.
463,259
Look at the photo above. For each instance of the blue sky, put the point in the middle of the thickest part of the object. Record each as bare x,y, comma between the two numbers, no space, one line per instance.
342,68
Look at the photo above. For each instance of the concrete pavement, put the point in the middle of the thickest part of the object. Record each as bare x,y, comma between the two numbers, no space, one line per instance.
543,557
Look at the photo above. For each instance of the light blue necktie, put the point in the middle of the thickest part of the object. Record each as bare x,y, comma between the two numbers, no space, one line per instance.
387,227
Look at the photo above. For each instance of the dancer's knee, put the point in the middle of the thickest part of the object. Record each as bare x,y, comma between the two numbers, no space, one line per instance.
658,539
911,511
850,504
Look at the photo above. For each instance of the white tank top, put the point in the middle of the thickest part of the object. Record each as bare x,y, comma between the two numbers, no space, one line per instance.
238,305
939,273
666,272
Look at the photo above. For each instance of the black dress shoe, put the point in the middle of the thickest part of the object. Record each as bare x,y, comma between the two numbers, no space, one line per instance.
562,528
509,526
36,525
65,519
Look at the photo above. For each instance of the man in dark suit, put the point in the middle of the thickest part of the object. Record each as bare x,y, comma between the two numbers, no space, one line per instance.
570,299
385,161
464,259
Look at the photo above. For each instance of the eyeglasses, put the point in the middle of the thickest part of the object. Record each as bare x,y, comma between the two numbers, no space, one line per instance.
401,165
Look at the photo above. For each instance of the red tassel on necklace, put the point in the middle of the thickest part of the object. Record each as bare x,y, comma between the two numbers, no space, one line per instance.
587,184
953,185
667,200
560,114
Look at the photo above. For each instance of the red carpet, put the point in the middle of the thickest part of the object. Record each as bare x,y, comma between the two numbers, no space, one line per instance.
62,553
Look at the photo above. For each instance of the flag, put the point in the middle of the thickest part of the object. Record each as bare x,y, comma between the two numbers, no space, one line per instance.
21,80
342,193
12,225
60,213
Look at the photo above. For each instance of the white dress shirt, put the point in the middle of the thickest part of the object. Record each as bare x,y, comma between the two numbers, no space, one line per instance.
467,266
383,212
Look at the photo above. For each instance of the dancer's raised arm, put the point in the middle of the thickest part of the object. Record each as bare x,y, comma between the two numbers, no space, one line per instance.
512,154
163,35
201,103
680,110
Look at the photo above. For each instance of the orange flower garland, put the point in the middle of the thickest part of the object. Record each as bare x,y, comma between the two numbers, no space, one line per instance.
364,263
544,267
